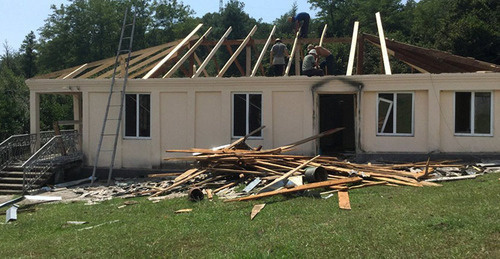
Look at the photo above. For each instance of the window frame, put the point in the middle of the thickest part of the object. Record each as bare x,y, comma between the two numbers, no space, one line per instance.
137,117
473,114
394,119
247,121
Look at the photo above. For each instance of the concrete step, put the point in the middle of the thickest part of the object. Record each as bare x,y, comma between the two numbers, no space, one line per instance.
17,180
4,192
11,186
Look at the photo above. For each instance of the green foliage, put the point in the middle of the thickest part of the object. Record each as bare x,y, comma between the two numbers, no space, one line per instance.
14,101
29,55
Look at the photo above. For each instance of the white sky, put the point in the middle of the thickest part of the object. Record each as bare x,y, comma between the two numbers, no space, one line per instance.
19,17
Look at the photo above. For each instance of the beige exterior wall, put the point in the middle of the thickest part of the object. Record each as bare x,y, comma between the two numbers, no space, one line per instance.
188,113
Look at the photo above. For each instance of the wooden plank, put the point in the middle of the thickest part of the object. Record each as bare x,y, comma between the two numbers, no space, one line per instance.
176,184
285,176
320,135
236,62
237,52
248,60
383,47
344,202
166,58
163,175
322,35
187,54
244,138
300,188
212,52
74,71
263,52
289,65
225,186
185,174
352,52
256,209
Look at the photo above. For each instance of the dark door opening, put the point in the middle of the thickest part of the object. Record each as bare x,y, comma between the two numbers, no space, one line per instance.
337,110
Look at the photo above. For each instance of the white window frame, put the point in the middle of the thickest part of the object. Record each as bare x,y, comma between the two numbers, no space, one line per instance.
394,106
137,117
247,129
473,114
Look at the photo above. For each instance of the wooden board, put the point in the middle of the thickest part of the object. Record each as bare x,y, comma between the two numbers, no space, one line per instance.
344,202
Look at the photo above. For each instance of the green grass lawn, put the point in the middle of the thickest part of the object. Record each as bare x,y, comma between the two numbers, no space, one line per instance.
460,219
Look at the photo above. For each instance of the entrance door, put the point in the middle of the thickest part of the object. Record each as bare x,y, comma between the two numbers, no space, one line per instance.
337,110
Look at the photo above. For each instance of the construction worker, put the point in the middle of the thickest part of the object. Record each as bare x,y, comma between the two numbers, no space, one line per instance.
303,18
310,65
277,57
327,64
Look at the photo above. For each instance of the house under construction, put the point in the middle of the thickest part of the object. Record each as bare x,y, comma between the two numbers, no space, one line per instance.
447,107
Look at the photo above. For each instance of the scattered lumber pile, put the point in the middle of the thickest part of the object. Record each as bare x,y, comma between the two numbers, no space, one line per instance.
238,172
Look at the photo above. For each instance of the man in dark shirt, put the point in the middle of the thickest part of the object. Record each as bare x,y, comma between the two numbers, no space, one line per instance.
278,54
304,28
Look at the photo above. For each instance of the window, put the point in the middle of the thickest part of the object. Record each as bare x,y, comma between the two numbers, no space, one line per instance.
473,113
247,114
395,114
137,116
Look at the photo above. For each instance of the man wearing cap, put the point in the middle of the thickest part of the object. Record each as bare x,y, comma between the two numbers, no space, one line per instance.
304,28
309,66
278,53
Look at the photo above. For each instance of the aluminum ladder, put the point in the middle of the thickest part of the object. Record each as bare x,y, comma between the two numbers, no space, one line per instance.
114,118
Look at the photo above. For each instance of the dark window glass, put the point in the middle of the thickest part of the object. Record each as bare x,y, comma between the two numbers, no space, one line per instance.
239,115
482,113
255,113
144,115
404,113
131,115
463,112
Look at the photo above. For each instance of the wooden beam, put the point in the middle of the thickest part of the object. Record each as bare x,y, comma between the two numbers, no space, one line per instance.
236,62
285,41
322,35
74,71
165,59
289,65
148,64
352,53
212,53
361,55
383,47
285,176
238,51
187,54
248,59
344,200
263,52
300,188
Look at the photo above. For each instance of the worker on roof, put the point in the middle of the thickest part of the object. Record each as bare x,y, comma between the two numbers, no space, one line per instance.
277,57
327,64
310,65
303,18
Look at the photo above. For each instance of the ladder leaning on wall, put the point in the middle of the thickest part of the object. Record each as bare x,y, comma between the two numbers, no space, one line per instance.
114,109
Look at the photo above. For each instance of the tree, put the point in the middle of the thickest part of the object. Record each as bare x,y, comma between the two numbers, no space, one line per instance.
13,96
29,55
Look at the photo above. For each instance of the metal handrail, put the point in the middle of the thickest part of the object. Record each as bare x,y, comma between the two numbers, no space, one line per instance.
58,150
18,148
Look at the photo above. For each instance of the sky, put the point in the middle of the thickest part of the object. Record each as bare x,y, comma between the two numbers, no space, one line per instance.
24,16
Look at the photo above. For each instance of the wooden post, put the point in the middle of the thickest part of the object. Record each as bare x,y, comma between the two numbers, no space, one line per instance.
383,47
350,63
237,52
166,58
322,35
188,53
212,53
289,65
263,52
248,63
361,55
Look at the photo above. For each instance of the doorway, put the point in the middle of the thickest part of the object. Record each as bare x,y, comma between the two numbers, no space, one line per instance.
337,110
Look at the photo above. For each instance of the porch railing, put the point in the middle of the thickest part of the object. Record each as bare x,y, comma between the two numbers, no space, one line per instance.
58,150
18,148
